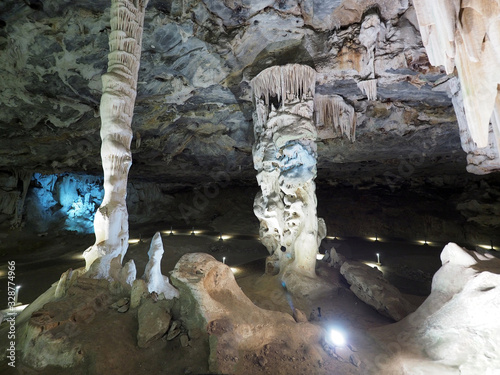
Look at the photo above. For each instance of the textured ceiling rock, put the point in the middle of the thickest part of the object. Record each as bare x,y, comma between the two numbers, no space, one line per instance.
193,110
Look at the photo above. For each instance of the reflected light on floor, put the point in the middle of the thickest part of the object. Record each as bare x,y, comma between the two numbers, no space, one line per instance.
78,256
374,238
134,240
169,232
488,247
373,265
319,256
235,270
424,242
333,238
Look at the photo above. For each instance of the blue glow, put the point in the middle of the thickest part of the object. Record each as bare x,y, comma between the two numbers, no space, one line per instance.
70,200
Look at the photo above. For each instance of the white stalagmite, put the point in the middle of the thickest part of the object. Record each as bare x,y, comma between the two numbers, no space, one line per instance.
467,35
155,280
284,155
117,107
331,111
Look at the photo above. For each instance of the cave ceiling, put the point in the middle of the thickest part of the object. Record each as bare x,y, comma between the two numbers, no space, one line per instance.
193,114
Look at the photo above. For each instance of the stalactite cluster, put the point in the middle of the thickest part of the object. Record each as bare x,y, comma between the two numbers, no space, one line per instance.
333,111
292,80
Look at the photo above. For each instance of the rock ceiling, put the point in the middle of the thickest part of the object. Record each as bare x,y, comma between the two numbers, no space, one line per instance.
193,114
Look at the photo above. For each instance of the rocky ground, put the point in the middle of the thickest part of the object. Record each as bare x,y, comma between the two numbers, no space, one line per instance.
116,350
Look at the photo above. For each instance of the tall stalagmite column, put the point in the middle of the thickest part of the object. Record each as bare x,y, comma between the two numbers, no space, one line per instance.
117,107
284,155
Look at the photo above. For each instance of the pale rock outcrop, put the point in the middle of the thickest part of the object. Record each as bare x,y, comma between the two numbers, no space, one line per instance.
456,329
155,280
336,260
371,27
466,35
212,302
369,285
48,336
480,160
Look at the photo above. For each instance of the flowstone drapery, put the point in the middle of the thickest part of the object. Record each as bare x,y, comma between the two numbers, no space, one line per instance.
368,36
284,155
117,107
466,35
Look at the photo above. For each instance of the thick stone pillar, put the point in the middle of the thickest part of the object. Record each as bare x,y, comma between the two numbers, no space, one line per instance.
284,155
117,108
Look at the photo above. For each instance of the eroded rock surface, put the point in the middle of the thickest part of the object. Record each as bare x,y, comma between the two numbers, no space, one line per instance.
238,331
193,110
154,320
455,329
369,285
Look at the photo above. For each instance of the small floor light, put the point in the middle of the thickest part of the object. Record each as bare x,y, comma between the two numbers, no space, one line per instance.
378,258
192,232
337,338
224,260
220,237
171,231
16,296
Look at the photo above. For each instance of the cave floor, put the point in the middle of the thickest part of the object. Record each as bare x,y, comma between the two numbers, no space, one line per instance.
41,260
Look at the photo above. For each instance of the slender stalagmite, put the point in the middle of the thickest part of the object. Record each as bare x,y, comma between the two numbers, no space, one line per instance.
117,106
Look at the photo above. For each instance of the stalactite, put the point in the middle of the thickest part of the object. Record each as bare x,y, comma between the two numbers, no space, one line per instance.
479,160
117,106
333,111
297,80
467,35
369,88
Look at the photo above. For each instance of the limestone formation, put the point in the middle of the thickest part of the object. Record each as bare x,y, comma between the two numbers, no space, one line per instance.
116,110
155,280
466,35
456,328
480,160
50,335
212,302
333,113
284,155
368,36
369,285
154,320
